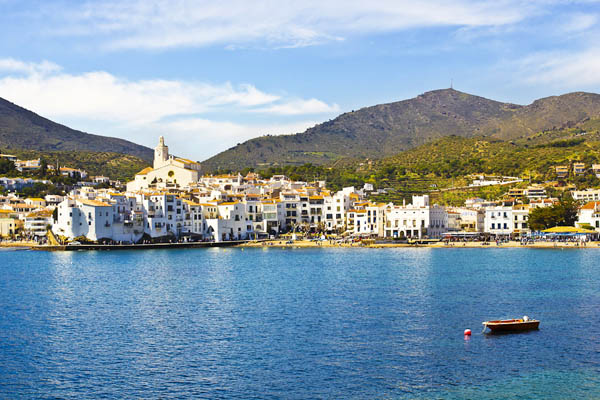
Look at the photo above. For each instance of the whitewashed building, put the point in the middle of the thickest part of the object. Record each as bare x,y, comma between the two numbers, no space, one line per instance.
167,171
499,220
586,195
416,220
590,214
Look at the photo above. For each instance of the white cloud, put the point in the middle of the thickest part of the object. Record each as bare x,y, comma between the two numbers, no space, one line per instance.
99,102
300,107
158,24
12,65
579,23
562,69
208,138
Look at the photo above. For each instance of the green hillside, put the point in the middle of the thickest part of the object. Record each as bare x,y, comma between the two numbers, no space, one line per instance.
384,130
113,165
453,161
21,129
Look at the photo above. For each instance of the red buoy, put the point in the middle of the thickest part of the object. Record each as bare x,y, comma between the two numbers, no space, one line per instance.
467,332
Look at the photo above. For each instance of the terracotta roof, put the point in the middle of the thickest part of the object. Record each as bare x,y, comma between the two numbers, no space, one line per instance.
185,160
145,171
40,213
94,203
591,205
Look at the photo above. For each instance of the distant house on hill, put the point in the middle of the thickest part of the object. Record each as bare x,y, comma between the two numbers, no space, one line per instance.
9,157
28,165
73,173
562,171
578,168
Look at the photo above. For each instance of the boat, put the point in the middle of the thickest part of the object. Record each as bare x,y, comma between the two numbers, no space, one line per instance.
512,325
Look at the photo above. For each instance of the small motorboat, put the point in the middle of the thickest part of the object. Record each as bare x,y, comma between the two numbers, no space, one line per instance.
512,325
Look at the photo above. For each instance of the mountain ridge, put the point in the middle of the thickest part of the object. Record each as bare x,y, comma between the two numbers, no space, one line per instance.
22,129
387,129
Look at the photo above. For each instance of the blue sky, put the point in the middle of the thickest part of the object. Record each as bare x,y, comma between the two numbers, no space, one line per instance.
210,74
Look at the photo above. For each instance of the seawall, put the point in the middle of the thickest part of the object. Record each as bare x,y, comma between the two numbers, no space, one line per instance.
139,246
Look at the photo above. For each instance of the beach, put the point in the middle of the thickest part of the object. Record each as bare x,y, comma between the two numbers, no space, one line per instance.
439,245
320,244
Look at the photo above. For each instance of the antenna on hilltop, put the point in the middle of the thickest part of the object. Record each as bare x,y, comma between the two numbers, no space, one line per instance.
451,83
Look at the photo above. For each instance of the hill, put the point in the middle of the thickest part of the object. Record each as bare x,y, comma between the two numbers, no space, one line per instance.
21,129
451,162
386,129
113,165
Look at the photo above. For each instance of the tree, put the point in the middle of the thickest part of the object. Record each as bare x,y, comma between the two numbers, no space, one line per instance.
43,168
6,166
562,214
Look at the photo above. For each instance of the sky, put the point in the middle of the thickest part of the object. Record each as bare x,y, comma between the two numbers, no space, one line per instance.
210,74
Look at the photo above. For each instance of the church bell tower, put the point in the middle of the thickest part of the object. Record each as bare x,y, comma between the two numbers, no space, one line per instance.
161,153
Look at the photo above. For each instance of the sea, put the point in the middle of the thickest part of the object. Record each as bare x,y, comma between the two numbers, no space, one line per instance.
298,323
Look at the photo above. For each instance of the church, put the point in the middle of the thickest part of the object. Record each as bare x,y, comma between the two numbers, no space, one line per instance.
166,172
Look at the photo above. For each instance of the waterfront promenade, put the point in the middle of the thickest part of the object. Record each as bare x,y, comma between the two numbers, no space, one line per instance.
439,245
306,244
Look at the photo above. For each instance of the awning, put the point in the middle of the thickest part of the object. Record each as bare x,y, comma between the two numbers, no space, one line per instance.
568,230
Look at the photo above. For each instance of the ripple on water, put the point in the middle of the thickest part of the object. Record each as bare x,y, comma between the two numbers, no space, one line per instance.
298,323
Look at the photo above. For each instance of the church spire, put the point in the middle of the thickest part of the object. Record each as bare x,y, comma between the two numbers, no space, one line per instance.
161,153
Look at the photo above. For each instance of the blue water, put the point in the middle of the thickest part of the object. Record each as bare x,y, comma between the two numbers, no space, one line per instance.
298,323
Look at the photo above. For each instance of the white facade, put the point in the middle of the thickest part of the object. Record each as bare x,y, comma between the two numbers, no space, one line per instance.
590,214
520,215
36,223
97,220
415,220
586,195
82,217
499,220
167,171
232,223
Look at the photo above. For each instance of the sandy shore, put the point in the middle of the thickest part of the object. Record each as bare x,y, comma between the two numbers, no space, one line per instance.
317,244
441,245
18,244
